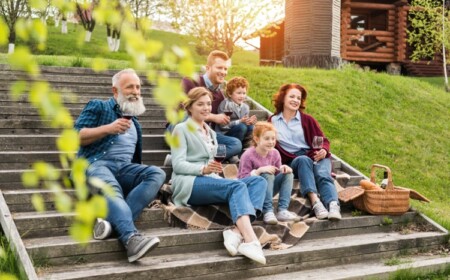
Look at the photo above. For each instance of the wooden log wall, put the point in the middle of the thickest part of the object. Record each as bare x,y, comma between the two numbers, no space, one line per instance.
345,26
388,45
400,32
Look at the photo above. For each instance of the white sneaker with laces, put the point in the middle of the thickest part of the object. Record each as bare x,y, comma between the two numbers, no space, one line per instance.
102,229
231,240
287,216
335,211
320,211
270,219
253,251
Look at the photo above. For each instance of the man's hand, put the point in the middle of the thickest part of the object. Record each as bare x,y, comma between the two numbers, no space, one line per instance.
119,126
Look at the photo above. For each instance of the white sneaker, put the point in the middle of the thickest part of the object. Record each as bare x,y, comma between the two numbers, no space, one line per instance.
270,219
102,229
253,251
335,211
287,216
168,160
231,240
320,211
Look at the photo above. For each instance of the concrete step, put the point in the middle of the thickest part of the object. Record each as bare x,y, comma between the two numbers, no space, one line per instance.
69,100
74,71
417,264
92,90
63,250
41,142
12,179
216,264
52,223
25,159
23,127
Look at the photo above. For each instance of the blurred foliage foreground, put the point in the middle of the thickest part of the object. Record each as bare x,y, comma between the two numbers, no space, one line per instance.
48,101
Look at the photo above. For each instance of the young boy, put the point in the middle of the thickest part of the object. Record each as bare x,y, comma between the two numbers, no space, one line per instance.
241,124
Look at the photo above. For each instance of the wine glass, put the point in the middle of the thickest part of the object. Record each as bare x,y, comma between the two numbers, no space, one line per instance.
220,153
228,110
317,144
127,116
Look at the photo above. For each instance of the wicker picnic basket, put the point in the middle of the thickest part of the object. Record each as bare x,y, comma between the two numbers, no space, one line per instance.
389,201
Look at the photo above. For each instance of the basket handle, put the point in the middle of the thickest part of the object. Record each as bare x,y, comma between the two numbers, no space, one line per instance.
390,184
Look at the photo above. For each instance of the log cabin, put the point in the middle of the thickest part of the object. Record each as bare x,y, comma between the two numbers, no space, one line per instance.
326,33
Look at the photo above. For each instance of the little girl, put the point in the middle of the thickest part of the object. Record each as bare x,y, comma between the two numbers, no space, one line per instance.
264,160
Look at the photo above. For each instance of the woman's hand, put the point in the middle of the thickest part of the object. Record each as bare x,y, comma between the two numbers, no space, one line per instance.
285,169
320,154
266,169
213,167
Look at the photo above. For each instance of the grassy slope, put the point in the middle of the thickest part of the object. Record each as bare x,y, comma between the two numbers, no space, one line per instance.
370,118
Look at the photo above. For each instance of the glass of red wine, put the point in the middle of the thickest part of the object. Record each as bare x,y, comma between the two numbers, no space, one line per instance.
127,116
227,110
317,144
220,153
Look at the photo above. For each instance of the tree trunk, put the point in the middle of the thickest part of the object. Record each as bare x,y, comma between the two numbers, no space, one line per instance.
11,48
64,26
87,37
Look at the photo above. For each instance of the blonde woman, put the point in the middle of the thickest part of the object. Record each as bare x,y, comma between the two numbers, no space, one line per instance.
195,180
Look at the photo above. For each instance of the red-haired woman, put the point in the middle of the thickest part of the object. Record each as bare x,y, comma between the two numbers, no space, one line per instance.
296,131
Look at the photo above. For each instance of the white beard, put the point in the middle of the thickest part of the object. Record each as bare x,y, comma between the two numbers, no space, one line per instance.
135,108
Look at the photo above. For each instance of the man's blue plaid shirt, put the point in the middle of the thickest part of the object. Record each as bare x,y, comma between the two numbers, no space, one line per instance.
98,113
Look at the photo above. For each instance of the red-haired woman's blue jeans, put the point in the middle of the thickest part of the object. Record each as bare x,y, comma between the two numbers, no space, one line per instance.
315,178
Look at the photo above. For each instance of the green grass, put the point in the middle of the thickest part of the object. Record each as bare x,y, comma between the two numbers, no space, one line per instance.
408,274
8,265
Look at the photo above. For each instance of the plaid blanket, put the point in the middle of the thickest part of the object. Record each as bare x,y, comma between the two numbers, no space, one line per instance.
217,217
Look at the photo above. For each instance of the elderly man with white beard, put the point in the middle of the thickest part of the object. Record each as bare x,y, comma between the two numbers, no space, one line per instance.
112,144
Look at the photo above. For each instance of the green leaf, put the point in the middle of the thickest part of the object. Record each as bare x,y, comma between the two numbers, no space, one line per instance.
83,211
38,202
169,93
4,32
63,202
186,68
46,171
22,59
99,64
22,31
172,140
68,141
99,206
81,232
18,88
105,188
30,179
39,31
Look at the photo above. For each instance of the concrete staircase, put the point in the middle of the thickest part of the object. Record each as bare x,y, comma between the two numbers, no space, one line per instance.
355,247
